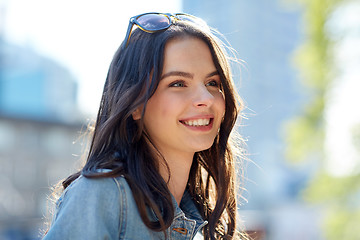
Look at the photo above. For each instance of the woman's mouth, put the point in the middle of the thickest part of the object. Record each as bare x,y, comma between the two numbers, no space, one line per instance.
201,124
197,122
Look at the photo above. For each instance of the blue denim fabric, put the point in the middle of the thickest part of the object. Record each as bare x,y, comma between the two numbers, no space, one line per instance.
105,208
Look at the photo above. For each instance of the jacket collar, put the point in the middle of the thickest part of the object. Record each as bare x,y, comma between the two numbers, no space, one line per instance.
187,209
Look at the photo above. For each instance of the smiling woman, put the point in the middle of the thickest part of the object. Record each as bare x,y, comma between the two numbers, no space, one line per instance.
161,163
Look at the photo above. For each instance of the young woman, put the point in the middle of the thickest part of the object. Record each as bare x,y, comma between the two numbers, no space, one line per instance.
160,164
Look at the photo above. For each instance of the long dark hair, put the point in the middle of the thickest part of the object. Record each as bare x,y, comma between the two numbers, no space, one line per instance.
120,144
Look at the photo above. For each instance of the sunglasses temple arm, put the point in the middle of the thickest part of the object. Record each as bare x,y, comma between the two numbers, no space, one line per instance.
128,33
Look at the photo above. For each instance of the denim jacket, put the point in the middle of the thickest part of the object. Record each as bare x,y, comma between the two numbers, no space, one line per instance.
104,208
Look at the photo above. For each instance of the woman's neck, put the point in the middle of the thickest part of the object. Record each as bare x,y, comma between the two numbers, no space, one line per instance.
179,167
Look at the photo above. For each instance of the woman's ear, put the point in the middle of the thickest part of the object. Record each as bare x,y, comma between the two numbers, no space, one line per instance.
136,115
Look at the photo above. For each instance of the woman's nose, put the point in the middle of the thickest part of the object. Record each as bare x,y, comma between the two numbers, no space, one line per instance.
202,97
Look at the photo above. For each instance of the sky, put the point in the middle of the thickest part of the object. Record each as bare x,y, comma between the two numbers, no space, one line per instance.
81,35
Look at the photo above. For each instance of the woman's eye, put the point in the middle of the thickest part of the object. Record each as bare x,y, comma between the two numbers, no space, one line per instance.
177,84
213,84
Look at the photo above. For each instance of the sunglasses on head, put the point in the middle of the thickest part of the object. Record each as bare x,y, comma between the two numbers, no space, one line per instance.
153,22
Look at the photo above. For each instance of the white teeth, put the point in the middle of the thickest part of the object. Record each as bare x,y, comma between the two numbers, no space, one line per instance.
198,122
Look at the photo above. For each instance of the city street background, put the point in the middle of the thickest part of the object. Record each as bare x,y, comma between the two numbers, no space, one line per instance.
299,76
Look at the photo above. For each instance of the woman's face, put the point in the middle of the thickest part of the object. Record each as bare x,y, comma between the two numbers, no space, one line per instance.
185,112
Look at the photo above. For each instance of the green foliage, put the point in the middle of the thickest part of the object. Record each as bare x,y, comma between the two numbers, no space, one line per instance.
303,139
334,190
342,224
305,134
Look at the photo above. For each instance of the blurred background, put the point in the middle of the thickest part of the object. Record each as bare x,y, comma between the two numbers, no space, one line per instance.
300,80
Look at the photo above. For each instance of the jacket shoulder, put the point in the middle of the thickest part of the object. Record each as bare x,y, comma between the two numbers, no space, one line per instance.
91,208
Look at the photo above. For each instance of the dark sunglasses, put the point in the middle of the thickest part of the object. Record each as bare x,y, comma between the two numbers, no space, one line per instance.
153,22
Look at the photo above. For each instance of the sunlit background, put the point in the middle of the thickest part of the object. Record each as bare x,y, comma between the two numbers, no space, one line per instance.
300,81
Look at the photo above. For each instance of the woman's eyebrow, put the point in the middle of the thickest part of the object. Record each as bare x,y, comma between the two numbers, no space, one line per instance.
186,75
178,74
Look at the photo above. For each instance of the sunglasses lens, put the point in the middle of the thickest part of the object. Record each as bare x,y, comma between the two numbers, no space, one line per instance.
153,22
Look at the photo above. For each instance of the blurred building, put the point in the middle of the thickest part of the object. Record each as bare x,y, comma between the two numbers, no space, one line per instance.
35,87
265,35
39,123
